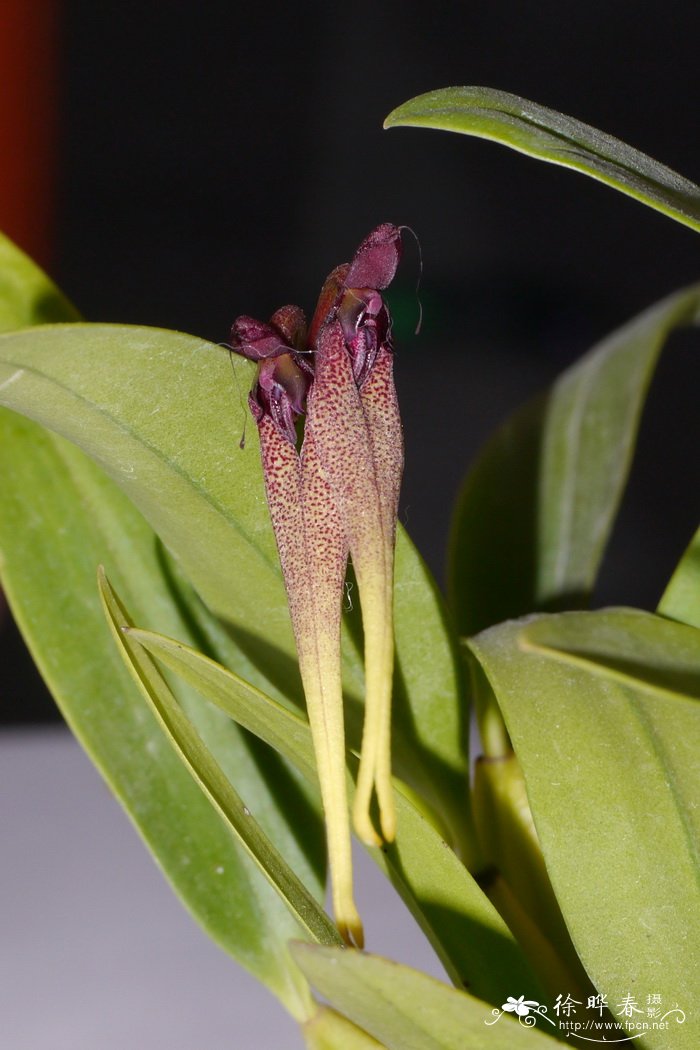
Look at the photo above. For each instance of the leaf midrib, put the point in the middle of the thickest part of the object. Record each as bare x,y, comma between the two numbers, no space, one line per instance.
683,189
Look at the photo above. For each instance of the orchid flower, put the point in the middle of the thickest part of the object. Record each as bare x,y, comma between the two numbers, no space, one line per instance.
336,496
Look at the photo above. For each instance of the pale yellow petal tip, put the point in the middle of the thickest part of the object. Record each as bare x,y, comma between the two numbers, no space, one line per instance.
349,926
387,808
387,819
364,828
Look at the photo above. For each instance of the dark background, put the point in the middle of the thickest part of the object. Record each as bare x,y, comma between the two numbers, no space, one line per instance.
212,160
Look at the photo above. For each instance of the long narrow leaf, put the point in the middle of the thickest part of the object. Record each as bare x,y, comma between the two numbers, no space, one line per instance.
681,599
208,774
556,138
536,510
467,933
59,517
27,296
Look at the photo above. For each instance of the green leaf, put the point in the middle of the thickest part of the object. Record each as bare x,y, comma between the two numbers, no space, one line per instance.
536,510
467,933
125,396
208,774
407,1010
329,1030
520,886
681,599
556,138
612,780
430,718
27,296
159,412
59,518
282,729
632,647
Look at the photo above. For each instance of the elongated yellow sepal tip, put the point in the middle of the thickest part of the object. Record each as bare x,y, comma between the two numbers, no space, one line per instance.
387,819
385,790
349,925
363,825
362,821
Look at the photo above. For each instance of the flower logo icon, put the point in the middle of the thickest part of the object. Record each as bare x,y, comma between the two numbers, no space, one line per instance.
521,1006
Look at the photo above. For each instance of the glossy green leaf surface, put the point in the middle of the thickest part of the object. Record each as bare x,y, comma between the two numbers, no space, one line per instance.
200,762
467,933
159,412
681,599
329,1030
635,648
407,1010
27,296
612,780
536,509
59,518
554,137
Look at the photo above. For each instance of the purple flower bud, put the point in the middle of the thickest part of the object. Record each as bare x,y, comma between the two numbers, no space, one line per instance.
375,261
257,341
352,295
283,375
280,393
366,326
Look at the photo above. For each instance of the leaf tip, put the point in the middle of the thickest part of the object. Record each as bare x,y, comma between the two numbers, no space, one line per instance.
394,118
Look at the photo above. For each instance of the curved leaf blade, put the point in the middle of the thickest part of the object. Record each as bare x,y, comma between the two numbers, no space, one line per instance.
208,774
612,780
553,137
406,1009
157,410
96,384
466,931
537,508
59,517
430,718
328,1030
681,599
632,647
27,296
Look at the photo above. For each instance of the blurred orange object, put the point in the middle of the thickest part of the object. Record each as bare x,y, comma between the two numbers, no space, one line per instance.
28,121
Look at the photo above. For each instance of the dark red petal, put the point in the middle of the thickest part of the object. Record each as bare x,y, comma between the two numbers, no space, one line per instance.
327,301
280,393
377,258
290,322
256,340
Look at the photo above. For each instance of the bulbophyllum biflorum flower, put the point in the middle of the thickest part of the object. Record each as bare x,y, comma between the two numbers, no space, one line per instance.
334,492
